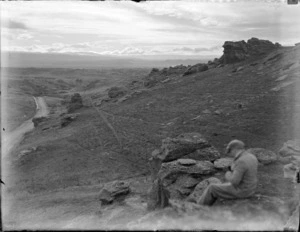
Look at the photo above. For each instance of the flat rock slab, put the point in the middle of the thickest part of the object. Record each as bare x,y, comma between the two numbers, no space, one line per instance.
113,190
199,189
205,154
223,163
187,162
175,148
263,156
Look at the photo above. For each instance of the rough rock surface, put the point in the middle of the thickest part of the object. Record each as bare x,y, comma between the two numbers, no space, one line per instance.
113,190
199,189
208,153
76,103
240,50
115,92
195,69
175,148
38,120
223,163
263,156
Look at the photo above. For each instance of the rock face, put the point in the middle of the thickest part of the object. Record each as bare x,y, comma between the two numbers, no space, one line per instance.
113,190
76,103
263,156
240,50
223,163
116,92
199,189
207,153
184,144
195,69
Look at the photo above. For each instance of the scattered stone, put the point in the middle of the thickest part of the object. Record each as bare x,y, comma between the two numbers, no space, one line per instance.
223,163
239,68
195,69
116,92
263,156
113,190
175,148
282,77
166,80
205,154
217,112
199,189
206,111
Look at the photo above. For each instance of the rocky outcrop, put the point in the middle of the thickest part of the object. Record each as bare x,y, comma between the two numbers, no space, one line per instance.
263,156
199,189
184,144
113,190
205,154
116,92
195,69
76,103
240,50
39,120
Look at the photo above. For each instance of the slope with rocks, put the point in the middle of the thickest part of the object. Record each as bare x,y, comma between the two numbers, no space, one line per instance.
253,100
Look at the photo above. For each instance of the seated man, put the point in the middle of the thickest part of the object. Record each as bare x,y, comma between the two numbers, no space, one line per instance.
242,179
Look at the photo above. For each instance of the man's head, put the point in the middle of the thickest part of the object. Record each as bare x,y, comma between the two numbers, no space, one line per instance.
234,147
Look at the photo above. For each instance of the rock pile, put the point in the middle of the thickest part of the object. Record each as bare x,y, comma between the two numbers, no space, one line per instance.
240,50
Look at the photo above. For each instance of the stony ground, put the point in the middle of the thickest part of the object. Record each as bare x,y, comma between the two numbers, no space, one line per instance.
58,183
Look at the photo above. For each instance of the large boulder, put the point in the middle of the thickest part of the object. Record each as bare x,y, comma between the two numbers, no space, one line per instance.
195,69
199,189
116,92
184,144
207,153
263,156
112,190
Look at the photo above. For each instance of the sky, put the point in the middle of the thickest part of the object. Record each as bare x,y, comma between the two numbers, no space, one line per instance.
173,29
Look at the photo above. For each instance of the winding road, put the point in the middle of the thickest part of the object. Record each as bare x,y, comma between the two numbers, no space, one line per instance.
13,138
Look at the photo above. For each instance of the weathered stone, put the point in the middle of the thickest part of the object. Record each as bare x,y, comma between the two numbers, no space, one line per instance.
175,148
223,163
206,112
39,120
158,196
208,154
113,190
67,119
199,189
195,69
182,187
263,156
116,92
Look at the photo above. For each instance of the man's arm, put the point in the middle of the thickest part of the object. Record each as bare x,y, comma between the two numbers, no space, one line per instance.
236,176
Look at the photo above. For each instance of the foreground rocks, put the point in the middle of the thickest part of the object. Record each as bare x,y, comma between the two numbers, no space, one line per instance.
113,190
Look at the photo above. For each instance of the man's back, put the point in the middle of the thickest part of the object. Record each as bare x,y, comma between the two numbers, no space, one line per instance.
248,164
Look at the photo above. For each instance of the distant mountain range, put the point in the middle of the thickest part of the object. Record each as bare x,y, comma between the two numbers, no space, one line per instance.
57,60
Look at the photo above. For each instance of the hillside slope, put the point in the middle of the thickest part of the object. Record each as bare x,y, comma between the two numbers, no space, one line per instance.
254,100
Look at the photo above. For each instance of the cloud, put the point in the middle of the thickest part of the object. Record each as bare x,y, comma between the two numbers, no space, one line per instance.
12,24
197,49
